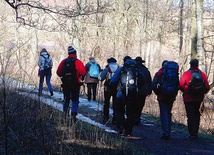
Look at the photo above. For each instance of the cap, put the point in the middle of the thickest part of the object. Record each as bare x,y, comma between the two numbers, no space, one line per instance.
126,58
139,59
111,60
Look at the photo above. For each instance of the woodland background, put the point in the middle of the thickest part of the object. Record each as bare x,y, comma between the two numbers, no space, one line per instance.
156,30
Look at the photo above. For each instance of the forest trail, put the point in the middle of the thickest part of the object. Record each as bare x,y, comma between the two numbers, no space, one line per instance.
145,135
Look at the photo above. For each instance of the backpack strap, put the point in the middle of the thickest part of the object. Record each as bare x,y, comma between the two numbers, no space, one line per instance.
192,71
46,60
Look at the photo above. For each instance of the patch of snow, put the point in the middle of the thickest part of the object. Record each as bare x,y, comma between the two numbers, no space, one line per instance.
58,105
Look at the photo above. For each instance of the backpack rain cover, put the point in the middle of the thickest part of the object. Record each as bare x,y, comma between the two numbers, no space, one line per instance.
170,79
93,70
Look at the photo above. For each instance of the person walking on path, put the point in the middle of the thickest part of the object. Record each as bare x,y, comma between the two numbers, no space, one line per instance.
71,70
144,91
193,101
106,75
165,100
92,81
45,64
126,95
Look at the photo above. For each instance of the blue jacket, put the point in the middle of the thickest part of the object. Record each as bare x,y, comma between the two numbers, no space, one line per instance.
146,88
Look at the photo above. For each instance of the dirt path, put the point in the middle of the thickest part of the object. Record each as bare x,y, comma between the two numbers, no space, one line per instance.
148,136
179,143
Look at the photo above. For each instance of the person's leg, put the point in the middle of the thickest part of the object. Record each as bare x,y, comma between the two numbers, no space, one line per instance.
190,108
164,118
114,121
41,81
48,79
89,86
75,103
94,88
107,97
120,112
67,100
75,100
140,102
197,117
169,116
130,111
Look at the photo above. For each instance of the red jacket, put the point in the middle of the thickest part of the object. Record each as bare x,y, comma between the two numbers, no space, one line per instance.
184,83
80,68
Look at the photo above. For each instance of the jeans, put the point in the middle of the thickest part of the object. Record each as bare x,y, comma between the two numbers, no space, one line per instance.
73,95
165,116
193,117
92,86
45,74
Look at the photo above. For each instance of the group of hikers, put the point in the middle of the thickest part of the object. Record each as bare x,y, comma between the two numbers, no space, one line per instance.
128,85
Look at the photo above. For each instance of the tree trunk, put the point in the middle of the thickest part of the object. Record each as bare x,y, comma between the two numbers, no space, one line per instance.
181,26
193,31
200,31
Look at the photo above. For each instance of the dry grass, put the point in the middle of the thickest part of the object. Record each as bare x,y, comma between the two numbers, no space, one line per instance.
28,128
179,113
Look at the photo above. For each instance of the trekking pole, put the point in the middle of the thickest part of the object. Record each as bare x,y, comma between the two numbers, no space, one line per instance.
98,94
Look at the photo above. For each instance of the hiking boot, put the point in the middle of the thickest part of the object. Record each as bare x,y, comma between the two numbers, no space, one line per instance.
51,92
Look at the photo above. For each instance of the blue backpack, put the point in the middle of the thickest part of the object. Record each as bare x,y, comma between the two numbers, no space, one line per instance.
170,79
93,70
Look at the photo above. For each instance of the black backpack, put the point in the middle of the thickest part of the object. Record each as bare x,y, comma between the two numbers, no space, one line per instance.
69,72
129,79
170,79
196,84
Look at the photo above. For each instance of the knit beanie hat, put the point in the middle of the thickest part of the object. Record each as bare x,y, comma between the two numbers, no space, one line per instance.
194,63
71,50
